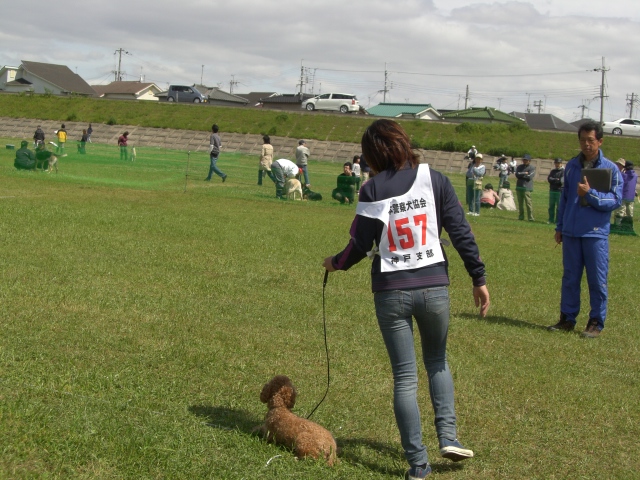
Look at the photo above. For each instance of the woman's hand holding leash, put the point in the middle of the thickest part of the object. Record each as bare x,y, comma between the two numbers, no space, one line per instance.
328,265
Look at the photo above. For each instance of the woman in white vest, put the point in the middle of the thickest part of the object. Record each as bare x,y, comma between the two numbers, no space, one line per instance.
399,218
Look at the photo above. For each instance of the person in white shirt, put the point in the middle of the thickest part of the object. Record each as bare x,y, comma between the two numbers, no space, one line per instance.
283,169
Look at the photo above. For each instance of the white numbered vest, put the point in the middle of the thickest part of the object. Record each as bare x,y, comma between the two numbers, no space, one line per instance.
410,235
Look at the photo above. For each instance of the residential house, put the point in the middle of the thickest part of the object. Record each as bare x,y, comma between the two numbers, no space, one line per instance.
420,111
479,115
215,96
48,78
286,101
545,121
129,90
253,98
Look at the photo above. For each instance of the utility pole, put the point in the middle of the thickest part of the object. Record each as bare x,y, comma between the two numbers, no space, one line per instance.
386,87
232,83
528,104
118,72
632,102
201,75
538,104
499,102
583,107
466,98
301,78
602,95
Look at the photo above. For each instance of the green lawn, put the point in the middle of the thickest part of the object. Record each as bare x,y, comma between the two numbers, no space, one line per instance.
139,323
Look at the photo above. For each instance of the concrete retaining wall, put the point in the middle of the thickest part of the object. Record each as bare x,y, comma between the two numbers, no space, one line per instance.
198,141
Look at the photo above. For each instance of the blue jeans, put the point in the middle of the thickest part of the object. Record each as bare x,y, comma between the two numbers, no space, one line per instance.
214,168
395,311
305,172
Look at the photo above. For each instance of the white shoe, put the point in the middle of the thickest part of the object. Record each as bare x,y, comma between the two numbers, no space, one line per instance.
469,213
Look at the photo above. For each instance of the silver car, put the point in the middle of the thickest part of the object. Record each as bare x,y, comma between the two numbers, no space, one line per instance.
340,102
622,126
184,93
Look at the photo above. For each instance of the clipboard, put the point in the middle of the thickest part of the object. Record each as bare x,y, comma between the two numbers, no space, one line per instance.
599,179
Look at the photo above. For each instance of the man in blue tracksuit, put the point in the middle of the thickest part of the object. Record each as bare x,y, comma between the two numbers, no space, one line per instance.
583,231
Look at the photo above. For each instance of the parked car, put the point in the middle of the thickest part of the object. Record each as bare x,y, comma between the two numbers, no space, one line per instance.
622,126
183,93
341,102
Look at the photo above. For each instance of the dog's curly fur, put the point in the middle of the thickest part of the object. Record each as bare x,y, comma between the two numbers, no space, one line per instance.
283,427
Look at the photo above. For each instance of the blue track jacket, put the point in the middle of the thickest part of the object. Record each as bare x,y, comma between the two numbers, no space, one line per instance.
594,219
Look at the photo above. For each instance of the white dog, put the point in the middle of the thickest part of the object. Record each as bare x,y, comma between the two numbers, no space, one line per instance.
291,187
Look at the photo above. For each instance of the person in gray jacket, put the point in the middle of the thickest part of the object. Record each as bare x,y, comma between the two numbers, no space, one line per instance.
302,158
524,186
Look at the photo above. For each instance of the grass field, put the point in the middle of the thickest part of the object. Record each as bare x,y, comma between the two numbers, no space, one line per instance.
140,321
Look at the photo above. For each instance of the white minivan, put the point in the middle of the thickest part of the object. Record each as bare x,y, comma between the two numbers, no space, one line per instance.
340,102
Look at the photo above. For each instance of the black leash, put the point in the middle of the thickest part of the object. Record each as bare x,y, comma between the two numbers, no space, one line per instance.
326,346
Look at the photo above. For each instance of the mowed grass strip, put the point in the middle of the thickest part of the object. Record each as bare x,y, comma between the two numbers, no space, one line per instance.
140,322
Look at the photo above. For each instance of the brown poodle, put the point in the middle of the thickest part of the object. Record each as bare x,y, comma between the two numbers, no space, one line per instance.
281,426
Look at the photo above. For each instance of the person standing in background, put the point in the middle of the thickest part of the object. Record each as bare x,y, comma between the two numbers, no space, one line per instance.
525,172
556,182
62,139
89,132
266,159
122,143
302,159
215,144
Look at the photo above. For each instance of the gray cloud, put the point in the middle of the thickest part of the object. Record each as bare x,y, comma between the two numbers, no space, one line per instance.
345,46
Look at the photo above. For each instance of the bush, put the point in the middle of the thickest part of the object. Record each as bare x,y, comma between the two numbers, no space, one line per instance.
72,117
282,118
111,121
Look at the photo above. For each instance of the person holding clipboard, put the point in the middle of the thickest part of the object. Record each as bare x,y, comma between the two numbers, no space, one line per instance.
592,190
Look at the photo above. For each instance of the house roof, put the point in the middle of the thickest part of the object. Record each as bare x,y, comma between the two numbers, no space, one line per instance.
216,94
287,98
254,97
398,109
578,123
60,76
486,113
131,87
545,121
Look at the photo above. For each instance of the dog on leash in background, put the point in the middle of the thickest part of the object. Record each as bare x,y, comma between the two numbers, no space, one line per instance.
291,187
282,427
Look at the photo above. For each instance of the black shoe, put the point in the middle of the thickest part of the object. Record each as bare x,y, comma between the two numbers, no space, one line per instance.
207,179
563,325
592,330
224,178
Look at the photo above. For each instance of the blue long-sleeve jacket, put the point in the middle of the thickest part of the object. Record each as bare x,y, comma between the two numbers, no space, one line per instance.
592,220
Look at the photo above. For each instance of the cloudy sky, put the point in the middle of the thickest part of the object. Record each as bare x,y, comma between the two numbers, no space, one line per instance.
510,54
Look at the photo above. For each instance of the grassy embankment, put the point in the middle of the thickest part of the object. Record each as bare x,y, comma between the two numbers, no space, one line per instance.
489,139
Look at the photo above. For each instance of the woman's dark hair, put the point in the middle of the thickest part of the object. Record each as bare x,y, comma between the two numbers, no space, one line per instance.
488,186
356,158
387,146
214,128
266,139
125,134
